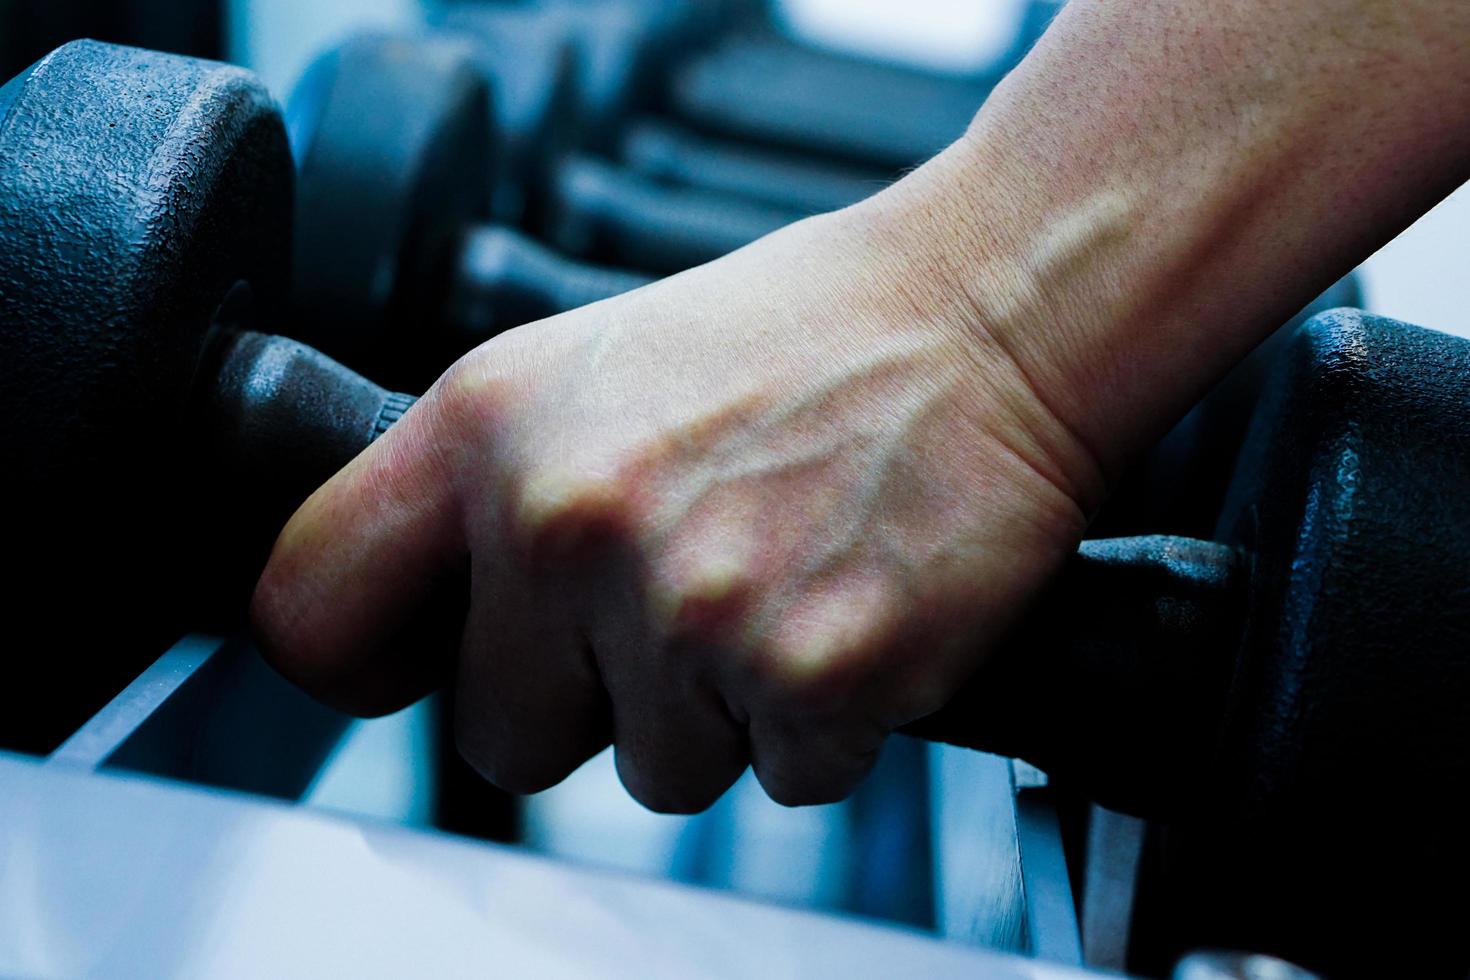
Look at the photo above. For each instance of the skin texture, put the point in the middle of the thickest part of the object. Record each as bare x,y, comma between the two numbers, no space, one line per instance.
764,512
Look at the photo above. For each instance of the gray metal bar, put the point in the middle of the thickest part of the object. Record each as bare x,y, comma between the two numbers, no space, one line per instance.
211,711
94,743
1051,914
1114,848
980,898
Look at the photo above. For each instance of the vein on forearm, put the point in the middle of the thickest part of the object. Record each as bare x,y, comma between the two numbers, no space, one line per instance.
1161,183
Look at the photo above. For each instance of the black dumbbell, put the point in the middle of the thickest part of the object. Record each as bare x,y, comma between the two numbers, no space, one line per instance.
393,148
396,269
580,76
1289,698
673,155
757,86
155,443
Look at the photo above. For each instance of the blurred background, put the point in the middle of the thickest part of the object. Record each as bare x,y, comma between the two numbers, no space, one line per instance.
879,854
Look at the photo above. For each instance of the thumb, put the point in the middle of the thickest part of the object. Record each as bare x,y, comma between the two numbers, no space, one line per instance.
363,599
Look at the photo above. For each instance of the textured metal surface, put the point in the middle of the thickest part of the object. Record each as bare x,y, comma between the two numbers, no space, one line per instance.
124,877
1345,762
158,446
136,189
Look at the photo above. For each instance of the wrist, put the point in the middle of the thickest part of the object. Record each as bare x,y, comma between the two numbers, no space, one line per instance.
955,244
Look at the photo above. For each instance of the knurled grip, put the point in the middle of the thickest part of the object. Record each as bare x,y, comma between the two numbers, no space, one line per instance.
395,403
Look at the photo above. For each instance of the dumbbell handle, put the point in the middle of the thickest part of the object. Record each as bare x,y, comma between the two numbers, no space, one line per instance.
282,417
772,92
1116,680
504,278
599,210
665,152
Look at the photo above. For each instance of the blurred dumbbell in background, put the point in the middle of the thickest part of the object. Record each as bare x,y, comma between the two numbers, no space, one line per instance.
720,67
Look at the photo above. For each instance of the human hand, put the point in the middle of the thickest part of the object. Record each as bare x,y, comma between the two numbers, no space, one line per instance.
761,513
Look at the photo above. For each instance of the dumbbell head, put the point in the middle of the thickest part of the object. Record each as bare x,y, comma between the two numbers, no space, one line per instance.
394,162
1289,699
143,194
531,64
397,270
1337,640
617,52
393,146
1344,753
145,201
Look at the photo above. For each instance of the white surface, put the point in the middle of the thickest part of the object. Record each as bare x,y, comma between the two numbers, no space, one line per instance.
1423,276
114,877
948,35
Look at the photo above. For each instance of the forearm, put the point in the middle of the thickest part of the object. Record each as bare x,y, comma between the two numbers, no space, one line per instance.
1163,182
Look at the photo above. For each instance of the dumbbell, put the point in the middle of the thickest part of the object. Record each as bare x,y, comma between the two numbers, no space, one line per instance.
1239,688
675,156
1288,698
396,265
583,77
156,443
396,269
757,86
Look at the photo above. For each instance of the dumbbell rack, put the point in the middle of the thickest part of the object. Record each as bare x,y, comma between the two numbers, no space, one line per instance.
130,804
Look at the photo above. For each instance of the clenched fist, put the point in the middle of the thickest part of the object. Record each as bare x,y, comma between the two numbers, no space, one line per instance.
761,513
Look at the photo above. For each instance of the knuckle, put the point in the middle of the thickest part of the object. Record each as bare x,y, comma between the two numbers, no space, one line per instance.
814,672
706,601
561,512
517,772
818,659
666,796
470,395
